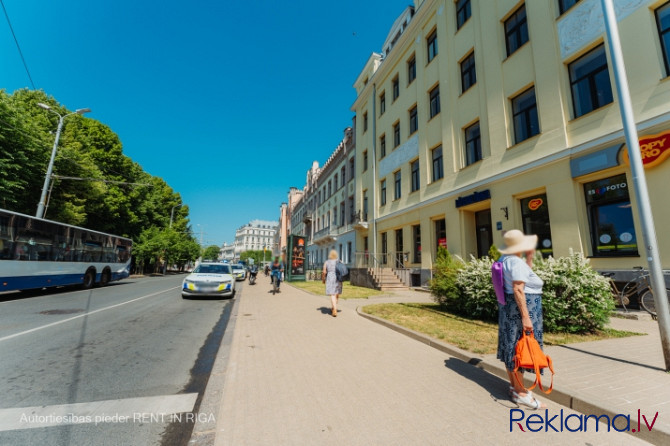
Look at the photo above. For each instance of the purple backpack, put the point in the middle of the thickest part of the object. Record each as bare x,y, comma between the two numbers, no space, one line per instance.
498,281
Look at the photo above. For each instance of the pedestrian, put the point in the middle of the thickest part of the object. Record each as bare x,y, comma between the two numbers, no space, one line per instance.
522,310
329,277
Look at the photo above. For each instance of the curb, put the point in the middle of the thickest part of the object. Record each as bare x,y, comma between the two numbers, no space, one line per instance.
562,396
204,432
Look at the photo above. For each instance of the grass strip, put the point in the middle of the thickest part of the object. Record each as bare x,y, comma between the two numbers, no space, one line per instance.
468,334
349,291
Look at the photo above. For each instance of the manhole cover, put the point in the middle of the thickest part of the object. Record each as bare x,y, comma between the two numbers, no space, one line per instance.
64,311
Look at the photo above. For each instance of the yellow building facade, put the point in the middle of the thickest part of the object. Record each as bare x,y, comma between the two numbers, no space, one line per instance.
483,116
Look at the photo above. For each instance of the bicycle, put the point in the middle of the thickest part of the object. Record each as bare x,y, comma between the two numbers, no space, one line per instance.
640,287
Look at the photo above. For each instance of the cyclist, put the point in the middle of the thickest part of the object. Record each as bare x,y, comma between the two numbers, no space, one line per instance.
277,269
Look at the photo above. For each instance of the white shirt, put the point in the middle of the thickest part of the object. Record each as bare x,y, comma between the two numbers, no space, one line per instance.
515,269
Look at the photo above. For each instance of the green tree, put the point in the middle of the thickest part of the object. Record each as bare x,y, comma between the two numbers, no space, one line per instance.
211,253
257,256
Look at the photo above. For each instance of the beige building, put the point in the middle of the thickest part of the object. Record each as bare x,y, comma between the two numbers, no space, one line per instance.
483,116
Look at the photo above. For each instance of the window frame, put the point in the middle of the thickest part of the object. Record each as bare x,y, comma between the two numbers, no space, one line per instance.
382,103
411,69
661,33
478,146
365,160
434,101
413,120
527,116
396,134
431,44
515,30
465,7
415,178
382,192
590,78
395,87
397,185
468,71
382,146
439,161
365,122
561,6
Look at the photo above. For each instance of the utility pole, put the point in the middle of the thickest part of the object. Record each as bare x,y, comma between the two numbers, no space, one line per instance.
639,180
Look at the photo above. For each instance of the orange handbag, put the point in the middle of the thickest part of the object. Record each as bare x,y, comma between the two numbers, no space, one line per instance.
529,355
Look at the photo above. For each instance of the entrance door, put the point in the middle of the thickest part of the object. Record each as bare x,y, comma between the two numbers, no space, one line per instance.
484,232
399,261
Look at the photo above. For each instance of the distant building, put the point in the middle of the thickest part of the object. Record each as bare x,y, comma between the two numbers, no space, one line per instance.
227,252
255,236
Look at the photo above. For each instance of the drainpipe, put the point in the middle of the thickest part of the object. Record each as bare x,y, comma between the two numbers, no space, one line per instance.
374,170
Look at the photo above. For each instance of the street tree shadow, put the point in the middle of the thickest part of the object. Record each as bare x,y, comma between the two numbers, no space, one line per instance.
496,387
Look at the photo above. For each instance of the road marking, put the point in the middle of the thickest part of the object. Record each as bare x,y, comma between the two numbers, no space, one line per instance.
84,315
151,409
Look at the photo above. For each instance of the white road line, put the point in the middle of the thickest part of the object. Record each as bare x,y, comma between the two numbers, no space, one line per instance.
83,315
152,409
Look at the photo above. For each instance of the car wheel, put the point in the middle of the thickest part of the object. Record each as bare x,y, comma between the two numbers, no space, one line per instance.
184,296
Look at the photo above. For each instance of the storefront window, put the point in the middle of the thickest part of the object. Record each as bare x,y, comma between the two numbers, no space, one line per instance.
535,217
416,234
441,233
610,217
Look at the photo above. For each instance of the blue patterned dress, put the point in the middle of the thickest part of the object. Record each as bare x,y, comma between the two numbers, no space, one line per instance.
509,319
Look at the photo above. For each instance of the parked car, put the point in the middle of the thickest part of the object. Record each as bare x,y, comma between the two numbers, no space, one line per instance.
239,272
209,279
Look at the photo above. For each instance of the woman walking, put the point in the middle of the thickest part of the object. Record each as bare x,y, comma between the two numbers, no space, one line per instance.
522,310
329,277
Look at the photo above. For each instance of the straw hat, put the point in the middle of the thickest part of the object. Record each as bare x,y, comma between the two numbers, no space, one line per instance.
516,242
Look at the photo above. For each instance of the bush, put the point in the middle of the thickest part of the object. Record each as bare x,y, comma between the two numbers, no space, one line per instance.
575,298
443,285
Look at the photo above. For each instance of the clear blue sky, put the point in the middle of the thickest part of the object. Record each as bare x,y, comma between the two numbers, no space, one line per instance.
228,101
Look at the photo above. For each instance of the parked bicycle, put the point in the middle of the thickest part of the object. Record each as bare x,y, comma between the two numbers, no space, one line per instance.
639,287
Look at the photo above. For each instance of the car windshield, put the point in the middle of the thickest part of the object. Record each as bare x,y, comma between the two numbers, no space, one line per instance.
212,269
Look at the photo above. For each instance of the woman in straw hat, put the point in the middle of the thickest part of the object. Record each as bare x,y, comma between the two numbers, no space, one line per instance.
329,277
523,308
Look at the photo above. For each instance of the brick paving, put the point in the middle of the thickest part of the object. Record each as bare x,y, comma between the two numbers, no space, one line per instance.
295,375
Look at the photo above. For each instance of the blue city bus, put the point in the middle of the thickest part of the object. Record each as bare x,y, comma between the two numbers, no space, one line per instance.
37,253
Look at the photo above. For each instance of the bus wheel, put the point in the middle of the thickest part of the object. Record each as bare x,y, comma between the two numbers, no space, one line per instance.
105,278
89,279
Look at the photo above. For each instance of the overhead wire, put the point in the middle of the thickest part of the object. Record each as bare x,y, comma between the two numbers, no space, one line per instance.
23,59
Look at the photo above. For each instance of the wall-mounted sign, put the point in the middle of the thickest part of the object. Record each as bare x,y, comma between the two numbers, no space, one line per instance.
535,204
654,149
473,198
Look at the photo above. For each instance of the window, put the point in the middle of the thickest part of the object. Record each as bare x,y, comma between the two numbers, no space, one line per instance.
365,205
330,188
535,218
398,185
438,169
352,172
610,217
416,236
516,30
343,174
384,247
411,70
473,144
463,12
524,112
564,5
383,192
365,122
349,259
365,160
413,120
382,146
663,22
440,233
396,87
342,214
468,72
396,134
416,182
590,82
335,182
431,43
382,103
399,248
434,101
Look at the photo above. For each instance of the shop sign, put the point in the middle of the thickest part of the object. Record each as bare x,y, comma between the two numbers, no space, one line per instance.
654,149
442,242
473,198
535,204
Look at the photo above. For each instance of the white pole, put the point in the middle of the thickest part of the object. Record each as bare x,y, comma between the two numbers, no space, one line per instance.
43,198
639,181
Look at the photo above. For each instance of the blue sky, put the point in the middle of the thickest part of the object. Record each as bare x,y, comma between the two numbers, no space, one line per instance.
228,101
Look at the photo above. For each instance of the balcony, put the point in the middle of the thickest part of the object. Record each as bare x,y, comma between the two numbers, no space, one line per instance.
324,236
360,221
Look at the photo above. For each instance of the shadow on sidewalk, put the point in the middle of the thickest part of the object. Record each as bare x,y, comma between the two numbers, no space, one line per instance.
325,310
611,358
496,387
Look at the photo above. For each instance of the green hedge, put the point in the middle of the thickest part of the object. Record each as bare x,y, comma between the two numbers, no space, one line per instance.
576,298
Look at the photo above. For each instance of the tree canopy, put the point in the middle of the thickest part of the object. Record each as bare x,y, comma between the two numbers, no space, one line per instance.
112,193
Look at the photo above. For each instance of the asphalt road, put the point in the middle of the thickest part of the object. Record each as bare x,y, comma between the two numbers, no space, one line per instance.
122,365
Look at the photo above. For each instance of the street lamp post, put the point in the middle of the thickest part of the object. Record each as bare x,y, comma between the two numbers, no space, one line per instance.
172,213
47,178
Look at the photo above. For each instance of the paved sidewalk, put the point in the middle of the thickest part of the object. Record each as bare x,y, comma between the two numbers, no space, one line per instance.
296,375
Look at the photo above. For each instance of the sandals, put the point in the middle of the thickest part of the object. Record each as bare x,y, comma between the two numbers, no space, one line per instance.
529,400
